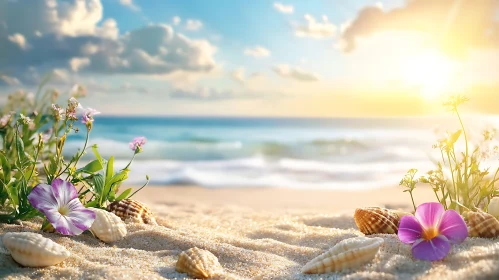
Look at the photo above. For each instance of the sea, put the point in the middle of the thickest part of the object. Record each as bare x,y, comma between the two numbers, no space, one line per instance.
303,153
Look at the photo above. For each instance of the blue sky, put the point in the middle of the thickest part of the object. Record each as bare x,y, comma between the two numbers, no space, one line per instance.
226,57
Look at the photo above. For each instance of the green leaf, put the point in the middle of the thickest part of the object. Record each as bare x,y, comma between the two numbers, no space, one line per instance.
453,138
124,194
91,167
12,192
92,203
99,184
96,153
52,166
112,196
110,169
5,167
122,176
20,148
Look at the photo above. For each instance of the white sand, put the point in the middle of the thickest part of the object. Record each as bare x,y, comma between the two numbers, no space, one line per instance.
256,234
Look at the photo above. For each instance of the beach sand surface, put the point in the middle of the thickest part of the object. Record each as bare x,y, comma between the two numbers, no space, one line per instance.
256,233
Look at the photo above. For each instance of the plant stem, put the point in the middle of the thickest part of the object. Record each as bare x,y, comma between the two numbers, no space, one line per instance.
128,165
466,175
79,155
453,181
148,183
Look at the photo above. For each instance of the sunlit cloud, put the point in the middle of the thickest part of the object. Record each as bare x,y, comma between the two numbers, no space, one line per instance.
295,73
129,4
257,51
315,29
238,75
455,26
176,20
193,24
282,8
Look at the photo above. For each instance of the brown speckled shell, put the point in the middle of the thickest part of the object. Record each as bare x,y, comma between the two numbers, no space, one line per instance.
481,224
198,263
132,210
373,220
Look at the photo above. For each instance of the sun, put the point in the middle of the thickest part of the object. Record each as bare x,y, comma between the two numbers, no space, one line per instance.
431,72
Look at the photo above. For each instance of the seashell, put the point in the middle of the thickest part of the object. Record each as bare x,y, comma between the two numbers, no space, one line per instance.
34,250
128,209
347,254
107,226
372,220
493,208
481,224
198,263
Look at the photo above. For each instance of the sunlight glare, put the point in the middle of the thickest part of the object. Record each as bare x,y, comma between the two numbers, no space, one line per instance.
431,72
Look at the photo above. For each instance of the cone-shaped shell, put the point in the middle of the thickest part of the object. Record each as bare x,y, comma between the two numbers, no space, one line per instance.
481,224
34,250
372,220
347,254
198,263
107,226
132,210
493,208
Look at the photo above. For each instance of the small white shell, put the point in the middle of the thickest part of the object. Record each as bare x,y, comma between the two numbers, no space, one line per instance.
347,254
34,250
107,226
493,208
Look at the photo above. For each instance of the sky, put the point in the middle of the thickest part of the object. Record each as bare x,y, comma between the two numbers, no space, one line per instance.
322,58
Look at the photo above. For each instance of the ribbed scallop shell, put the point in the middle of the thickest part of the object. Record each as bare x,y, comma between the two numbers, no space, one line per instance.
481,224
372,220
34,250
132,210
198,263
107,226
493,208
347,254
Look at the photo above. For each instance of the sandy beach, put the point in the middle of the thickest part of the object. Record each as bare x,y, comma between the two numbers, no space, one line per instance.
256,234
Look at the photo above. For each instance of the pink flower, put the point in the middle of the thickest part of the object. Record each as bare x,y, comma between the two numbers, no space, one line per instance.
88,116
60,204
431,231
137,143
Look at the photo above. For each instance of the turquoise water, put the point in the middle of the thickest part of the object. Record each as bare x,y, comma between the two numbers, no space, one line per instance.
269,152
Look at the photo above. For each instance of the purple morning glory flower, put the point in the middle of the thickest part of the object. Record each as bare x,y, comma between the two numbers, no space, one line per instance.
60,204
137,143
432,230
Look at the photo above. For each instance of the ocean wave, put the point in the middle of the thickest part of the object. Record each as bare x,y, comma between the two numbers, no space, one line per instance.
212,149
261,172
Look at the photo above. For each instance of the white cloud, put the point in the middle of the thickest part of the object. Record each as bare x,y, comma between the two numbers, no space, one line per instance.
176,20
285,9
238,75
109,29
10,81
193,24
129,4
72,35
295,73
315,29
78,63
19,40
257,51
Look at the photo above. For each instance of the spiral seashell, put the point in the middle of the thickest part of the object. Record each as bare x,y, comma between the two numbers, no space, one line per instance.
481,224
347,254
107,226
128,209
493,208
372,220
33,250
198,263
